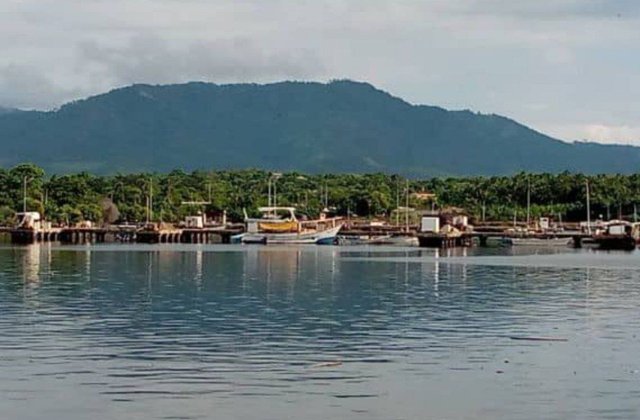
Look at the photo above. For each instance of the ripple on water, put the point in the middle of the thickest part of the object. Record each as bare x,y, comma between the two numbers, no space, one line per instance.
260,332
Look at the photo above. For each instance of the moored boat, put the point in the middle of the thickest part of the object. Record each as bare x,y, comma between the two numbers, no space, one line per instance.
618,234
539,242
279,225
389,240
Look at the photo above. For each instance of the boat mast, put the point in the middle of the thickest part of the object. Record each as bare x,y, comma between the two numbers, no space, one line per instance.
275,192
150,202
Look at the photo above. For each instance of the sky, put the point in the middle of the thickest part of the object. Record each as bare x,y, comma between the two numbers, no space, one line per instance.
568,68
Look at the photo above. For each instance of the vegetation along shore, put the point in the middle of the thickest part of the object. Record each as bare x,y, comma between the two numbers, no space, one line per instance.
71,198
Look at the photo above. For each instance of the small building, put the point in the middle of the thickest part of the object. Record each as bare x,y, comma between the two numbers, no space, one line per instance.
430,224
194,222
29,220
544,223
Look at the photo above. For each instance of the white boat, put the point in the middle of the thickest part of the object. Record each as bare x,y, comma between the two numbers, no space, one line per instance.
279,225
396,240
391,240
559,242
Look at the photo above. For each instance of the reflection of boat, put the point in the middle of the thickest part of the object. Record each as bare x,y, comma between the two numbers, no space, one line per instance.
542,242
279,225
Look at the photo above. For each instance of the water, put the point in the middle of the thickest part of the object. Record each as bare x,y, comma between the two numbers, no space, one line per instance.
114,332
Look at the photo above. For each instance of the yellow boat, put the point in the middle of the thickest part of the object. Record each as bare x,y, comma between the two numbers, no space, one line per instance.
279,225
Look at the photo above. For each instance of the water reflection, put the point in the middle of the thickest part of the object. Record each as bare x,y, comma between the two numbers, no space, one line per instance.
313,332
30,264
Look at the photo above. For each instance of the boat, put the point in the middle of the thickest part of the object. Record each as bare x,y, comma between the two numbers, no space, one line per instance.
279,225
390,240
618,234
360,239
539,242
396,240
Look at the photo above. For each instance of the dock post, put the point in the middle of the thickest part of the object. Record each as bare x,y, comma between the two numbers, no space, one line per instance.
577,241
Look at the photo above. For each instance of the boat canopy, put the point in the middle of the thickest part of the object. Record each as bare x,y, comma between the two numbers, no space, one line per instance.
291,211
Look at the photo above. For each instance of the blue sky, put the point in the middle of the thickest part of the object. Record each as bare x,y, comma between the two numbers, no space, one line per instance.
569,68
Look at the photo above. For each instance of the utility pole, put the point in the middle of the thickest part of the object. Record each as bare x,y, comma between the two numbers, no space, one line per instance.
397,203
326,196
528,202
24,194
150,202
588,210
406,209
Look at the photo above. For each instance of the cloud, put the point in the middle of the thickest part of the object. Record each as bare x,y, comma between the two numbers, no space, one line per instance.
152,60
553,10
562,63
599,132
26,87
605,133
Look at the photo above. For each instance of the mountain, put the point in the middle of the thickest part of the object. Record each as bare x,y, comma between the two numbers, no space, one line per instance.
341,126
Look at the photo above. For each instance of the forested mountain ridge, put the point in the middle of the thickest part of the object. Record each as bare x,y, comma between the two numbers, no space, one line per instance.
341,126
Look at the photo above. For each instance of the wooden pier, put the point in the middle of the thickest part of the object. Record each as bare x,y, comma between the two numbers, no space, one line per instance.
63,235
77,235
466,239
187,236
83,235
30,236
434,240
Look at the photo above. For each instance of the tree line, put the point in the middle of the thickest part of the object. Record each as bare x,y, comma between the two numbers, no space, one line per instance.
71,198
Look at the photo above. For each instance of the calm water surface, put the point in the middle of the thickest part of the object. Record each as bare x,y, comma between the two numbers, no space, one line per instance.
115,332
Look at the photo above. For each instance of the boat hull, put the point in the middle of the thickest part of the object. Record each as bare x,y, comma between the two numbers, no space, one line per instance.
621,242
378,240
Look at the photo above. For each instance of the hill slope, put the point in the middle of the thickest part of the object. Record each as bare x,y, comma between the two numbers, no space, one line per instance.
337,127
